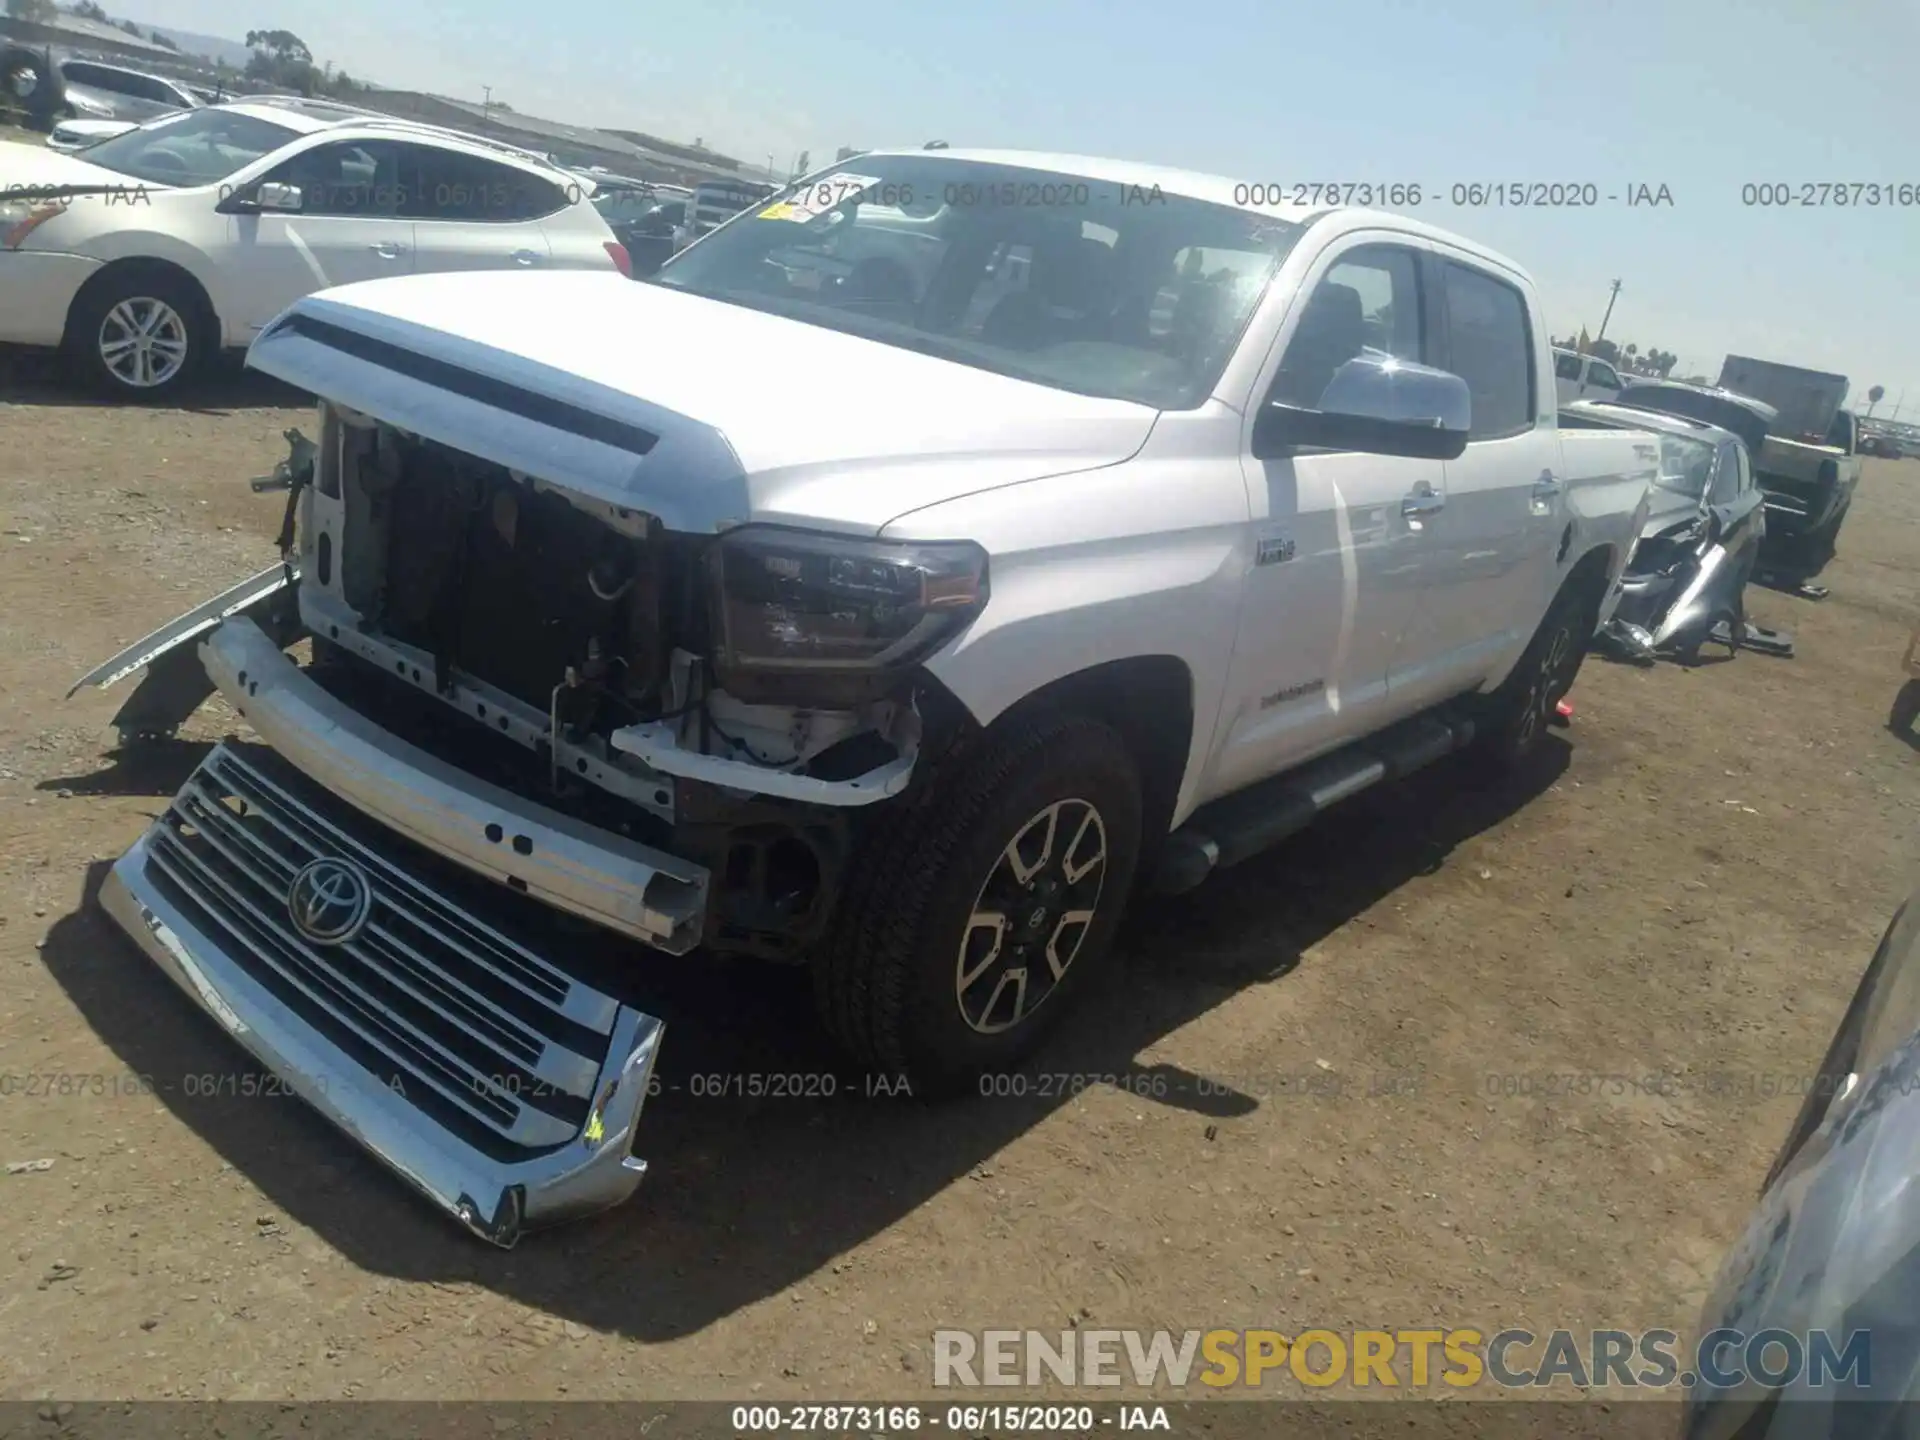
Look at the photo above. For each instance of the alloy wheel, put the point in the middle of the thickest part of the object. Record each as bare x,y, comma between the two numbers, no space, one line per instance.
1546,686
1031,916
143,342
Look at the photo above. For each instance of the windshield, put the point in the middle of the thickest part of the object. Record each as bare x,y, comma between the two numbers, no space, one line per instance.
195,147
1686,466
1079,284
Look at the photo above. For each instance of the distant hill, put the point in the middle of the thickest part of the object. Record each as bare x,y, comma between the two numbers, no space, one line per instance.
211,46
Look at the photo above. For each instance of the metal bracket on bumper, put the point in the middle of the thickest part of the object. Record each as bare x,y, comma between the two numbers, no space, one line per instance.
603,877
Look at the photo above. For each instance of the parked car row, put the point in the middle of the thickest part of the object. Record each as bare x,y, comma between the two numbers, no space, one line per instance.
143,249
1804,447
148,252
49,86
1889,439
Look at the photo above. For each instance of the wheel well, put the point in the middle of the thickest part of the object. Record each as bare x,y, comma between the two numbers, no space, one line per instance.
115,271
1589,576
1148,700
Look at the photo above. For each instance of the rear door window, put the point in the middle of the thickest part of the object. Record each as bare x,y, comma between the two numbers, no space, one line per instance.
342,178
451,185
1490,346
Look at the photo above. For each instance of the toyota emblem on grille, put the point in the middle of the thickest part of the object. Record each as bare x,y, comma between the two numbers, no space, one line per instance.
329,900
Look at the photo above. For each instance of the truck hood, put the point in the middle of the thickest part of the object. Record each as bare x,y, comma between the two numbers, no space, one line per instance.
703,413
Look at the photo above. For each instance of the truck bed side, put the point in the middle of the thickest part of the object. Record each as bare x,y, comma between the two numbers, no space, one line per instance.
1609,475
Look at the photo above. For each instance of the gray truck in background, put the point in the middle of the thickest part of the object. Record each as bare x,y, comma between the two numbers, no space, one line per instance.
1804,446
1809,464
1806,400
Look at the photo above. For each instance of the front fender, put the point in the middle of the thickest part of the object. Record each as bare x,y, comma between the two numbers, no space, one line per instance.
1054,615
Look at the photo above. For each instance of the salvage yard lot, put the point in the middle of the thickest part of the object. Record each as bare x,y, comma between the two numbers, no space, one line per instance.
1330,1063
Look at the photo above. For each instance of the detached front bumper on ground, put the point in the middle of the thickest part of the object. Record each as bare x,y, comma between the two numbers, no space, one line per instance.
304,899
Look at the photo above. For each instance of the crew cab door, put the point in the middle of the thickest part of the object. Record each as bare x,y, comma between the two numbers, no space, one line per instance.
1339,536
346,228
1489,569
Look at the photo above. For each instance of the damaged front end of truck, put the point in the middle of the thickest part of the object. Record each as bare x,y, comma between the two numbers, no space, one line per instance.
540,722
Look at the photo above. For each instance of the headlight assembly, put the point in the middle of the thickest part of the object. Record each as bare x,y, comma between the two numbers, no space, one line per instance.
829,620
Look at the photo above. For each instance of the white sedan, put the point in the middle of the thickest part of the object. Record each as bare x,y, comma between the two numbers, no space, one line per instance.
148,252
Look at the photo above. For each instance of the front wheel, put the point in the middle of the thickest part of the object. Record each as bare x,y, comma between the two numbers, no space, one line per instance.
977,915
139,335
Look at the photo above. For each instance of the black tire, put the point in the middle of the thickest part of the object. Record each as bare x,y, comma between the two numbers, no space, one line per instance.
138,288
1818,549
31,110
1513,719
1906,709
889,977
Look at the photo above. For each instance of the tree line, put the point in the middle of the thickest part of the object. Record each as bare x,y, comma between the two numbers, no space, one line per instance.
1624,357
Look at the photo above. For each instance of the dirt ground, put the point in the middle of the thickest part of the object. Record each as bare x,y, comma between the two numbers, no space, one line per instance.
1690,887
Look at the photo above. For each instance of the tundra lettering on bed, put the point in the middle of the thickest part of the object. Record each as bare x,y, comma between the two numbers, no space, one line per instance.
887,588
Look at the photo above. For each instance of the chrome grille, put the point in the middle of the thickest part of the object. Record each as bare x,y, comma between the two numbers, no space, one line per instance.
441,1005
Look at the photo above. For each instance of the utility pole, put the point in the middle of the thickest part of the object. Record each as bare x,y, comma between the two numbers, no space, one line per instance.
1615,295
486,107
1898,403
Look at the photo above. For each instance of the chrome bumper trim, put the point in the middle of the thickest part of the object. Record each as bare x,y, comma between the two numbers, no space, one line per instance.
630,888
169,908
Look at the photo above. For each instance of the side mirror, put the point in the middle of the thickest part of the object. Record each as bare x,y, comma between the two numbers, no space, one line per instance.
1377,405
272,196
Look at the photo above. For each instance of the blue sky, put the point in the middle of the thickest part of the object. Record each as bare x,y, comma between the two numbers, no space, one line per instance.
1702,96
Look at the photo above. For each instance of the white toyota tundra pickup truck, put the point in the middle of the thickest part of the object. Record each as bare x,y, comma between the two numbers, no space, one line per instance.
912,570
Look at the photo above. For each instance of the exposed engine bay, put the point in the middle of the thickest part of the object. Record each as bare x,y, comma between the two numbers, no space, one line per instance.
579,651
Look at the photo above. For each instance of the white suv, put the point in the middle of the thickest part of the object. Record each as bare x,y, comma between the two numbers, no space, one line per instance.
151,250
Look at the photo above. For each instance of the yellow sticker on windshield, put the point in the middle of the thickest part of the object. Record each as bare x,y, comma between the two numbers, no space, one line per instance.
783,211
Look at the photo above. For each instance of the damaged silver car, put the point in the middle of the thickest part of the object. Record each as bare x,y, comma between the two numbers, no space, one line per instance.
1687,579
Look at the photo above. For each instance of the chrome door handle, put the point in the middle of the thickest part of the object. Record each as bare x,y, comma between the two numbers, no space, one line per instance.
1546,487
525,257
387,250
1423,501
